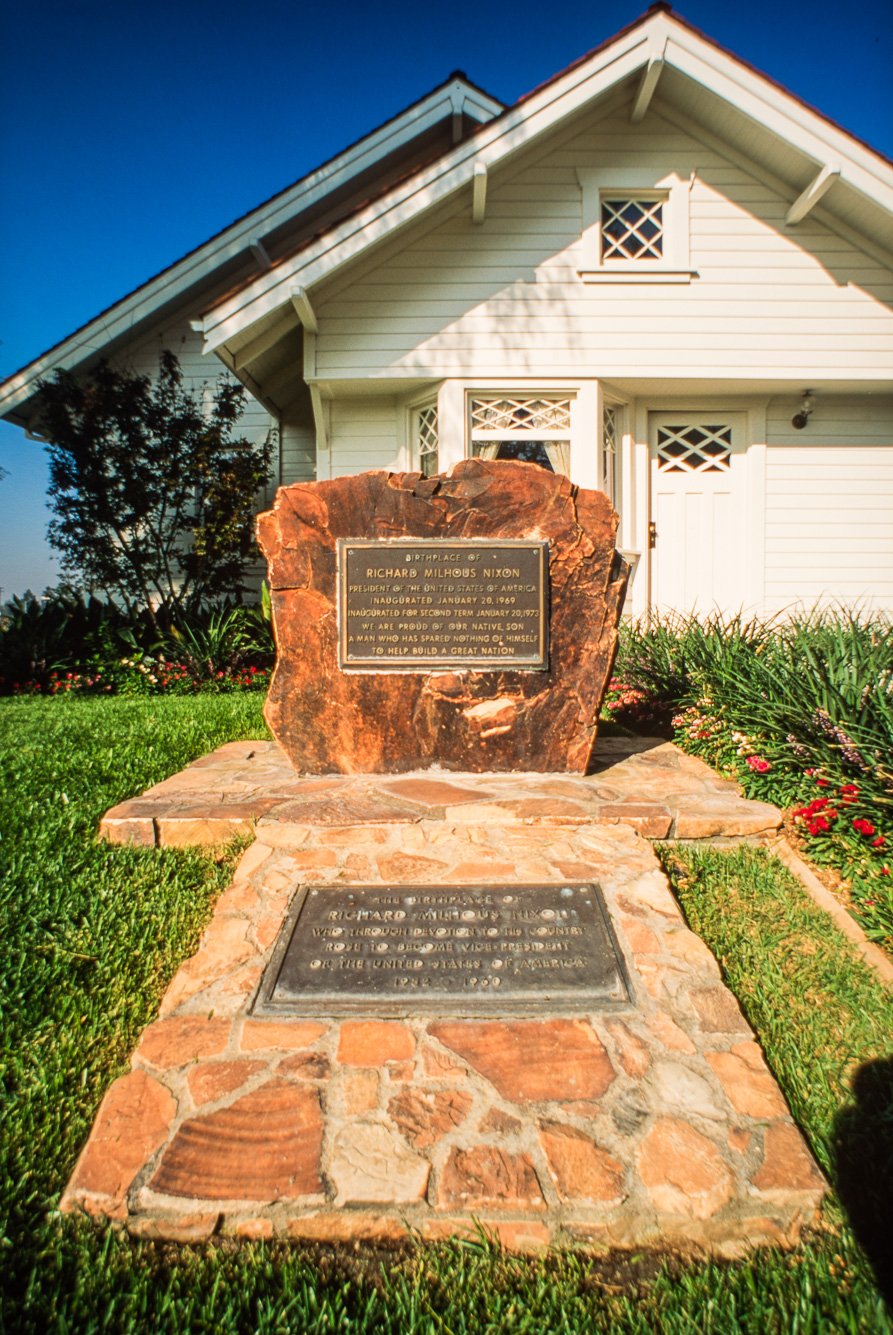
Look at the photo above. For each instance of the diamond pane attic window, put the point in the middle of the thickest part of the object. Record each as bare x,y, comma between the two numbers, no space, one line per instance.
635,226
632,229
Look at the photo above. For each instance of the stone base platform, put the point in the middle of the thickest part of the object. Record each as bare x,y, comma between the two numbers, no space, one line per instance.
645,783
659,1124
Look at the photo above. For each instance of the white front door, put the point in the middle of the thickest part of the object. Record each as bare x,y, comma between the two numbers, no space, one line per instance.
699,556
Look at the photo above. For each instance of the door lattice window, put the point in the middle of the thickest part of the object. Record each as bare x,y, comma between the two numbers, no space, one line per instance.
694,449
509,416
632,229
428,440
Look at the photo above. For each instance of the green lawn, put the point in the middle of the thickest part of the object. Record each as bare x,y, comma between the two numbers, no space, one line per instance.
92,935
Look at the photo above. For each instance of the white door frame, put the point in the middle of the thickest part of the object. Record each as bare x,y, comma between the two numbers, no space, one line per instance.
754,410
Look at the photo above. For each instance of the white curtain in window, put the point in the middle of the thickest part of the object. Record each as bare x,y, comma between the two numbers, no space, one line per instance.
559,455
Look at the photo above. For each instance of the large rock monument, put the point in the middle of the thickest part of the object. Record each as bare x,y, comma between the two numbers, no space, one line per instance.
466,621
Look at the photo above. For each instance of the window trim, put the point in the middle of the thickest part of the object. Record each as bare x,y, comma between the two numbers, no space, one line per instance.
602,183
412,407
419,454
609,460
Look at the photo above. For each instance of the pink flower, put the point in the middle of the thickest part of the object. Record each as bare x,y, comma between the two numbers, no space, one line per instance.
757,763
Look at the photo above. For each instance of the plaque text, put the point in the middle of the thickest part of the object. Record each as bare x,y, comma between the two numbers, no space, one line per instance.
450,946
417,605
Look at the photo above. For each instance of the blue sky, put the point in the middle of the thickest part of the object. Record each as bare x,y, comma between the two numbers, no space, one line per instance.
131,133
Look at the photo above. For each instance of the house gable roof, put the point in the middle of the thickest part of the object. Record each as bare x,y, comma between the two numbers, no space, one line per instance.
416,135
704,88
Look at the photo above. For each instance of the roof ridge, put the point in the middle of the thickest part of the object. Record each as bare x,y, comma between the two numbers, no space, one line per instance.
663,7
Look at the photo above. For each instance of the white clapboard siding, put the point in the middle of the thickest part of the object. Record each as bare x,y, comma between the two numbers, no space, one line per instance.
829,504
504,298
363,435
297,453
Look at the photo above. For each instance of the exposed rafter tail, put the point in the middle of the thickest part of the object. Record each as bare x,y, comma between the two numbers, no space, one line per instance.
648,83
817,187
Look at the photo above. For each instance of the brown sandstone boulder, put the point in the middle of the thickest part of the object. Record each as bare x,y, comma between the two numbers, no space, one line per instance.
331,720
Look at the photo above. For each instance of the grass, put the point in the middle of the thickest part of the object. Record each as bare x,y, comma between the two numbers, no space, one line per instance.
92,934
824,1020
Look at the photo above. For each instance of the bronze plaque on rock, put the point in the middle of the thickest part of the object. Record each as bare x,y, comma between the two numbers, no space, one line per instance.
414,605
459,950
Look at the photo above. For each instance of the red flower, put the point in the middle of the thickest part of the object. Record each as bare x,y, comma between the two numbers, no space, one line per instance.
879,842
863,826
823,783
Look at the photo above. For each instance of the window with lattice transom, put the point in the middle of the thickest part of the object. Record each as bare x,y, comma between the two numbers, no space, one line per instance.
632,229
529,429
694,449
427,439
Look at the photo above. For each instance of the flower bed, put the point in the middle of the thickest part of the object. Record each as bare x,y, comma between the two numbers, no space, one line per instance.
144,676
799,713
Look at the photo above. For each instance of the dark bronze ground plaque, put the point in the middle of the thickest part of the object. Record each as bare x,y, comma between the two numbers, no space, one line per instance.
462,950
410,605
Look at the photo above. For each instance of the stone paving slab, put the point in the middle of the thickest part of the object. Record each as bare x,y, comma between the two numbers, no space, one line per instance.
655,1125
644,783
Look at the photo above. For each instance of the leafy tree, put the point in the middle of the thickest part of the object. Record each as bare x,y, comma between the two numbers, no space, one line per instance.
153,495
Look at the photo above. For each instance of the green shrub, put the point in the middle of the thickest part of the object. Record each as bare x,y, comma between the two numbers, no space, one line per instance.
64,644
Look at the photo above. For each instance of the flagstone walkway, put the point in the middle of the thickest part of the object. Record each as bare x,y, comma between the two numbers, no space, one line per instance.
654,1124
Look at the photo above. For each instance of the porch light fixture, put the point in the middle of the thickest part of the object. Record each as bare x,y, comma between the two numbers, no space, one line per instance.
800,419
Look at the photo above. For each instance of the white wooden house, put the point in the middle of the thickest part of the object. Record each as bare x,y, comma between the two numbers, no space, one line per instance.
660,272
